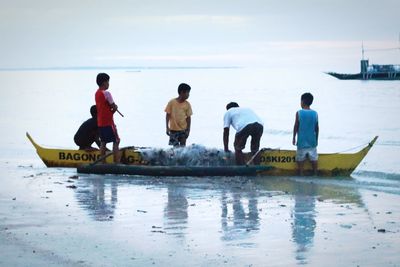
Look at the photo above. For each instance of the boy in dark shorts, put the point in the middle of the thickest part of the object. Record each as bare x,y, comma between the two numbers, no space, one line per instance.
106,108
178,117
88,132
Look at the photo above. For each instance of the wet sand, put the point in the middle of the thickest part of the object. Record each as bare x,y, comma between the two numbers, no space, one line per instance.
47,218
52,217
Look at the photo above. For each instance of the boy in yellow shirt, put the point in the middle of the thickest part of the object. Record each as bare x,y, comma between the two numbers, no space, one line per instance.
178,112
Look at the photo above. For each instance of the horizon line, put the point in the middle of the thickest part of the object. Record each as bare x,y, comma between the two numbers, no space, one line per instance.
137,68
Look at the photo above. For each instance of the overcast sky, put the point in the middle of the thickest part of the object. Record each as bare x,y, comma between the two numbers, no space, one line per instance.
45,33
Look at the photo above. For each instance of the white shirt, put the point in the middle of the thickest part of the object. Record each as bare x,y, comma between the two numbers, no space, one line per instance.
240,117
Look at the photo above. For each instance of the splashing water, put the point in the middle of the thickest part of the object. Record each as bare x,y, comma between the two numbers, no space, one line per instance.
194,155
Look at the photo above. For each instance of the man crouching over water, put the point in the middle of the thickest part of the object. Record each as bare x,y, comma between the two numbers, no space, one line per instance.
246,123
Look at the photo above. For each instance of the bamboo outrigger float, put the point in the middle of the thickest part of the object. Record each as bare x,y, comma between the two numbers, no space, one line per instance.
274,162
198,171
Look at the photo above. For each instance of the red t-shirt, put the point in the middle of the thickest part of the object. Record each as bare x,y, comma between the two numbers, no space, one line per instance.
104,113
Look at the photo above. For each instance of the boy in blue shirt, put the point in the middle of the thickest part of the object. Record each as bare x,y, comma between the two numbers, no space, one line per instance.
306,128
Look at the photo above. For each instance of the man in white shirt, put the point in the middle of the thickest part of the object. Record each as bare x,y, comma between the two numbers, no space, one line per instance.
246,123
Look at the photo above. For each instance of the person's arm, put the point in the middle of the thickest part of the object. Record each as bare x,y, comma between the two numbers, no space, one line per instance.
98,143
167,117
110,101
188,122
97,138
317,131
189,114
113,107
295,128
93,131
226,139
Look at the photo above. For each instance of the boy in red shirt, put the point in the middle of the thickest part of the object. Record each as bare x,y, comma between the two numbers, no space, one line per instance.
106,108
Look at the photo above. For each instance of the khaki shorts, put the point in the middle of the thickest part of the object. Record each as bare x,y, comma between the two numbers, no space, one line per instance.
303,153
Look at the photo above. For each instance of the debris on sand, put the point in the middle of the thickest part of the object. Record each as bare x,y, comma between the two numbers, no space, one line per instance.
158,231
142,211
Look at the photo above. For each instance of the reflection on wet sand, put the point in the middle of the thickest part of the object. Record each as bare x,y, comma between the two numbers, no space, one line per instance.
239,204
98,198
304,224
240,223
176,211
305,193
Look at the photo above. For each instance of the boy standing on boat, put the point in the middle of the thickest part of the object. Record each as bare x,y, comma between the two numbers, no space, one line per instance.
106,108
306,128
246,123
178,117
88,132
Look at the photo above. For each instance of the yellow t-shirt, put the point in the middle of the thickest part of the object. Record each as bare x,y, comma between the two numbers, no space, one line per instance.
178,113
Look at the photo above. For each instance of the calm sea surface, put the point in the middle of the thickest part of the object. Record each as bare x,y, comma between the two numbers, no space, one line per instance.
51,105
238,221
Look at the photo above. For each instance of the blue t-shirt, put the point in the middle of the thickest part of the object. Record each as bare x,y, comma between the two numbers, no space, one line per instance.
307,137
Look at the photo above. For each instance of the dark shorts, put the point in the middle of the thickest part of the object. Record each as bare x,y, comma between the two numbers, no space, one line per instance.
84,141
255,130
176,138
108,134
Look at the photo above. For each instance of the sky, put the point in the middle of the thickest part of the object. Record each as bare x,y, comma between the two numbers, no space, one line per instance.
76,33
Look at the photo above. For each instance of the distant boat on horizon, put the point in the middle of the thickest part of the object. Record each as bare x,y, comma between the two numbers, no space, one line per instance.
371,72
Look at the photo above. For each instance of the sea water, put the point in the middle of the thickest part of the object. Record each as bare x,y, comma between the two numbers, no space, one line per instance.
139,221
51,105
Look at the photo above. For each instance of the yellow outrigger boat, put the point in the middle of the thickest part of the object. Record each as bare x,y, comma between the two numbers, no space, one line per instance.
274,162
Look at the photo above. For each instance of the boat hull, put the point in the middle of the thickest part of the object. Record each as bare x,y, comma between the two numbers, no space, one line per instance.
389,76
72,158
278,162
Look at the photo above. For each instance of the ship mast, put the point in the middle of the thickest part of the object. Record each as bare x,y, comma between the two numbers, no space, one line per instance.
362,49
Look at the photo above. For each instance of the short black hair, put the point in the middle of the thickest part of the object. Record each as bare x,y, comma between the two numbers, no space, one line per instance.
101,78
232,105
183,87
307,98
93,111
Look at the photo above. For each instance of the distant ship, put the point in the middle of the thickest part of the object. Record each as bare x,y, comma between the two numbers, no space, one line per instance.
372,72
